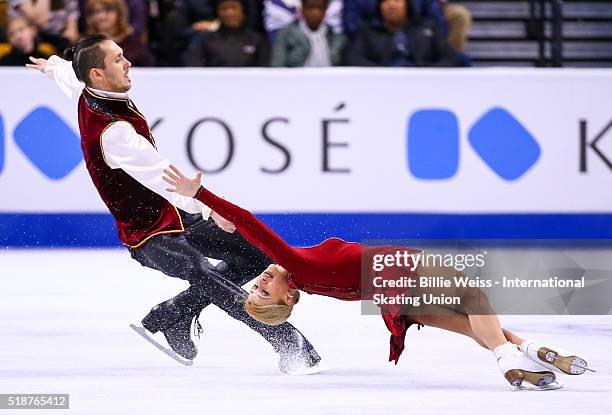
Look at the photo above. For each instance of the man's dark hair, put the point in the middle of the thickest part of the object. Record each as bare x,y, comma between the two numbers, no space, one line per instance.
85,55
410,11
308,1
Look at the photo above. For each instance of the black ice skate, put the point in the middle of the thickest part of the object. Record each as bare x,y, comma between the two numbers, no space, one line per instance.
179,339
169,352
303,360
176,329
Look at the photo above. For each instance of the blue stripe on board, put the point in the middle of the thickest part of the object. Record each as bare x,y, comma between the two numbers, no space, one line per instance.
98,230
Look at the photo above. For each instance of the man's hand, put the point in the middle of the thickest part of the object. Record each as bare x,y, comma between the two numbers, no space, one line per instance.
182,185
223,223
40,64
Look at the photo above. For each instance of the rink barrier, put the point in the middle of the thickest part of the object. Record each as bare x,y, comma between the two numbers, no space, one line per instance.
93,230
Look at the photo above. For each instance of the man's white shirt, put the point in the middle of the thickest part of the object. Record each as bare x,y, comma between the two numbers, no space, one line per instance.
122,147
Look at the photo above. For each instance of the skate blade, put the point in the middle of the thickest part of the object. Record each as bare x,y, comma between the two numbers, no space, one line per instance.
308,371
571,365
550,387
517,376
169,352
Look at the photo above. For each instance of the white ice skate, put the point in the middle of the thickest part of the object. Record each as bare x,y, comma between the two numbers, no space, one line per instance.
517,368
555,359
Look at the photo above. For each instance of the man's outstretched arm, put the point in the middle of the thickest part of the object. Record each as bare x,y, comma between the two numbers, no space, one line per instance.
61,72
122,147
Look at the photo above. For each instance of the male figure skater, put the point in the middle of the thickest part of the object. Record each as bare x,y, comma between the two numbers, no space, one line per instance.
127,170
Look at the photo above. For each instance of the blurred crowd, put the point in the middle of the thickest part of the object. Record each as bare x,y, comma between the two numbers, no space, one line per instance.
244,33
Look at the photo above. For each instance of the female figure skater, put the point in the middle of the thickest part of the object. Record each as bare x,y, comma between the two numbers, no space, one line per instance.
334,268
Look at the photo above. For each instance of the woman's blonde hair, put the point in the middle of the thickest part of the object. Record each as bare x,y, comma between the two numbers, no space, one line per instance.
122,26
273,314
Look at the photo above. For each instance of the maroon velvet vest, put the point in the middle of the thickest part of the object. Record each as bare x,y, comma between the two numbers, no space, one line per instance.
139,212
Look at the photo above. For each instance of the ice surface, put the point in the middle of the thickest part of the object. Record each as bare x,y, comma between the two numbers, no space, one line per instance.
64,317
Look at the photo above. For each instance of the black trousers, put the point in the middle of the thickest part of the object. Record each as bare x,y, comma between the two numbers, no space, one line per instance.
184,256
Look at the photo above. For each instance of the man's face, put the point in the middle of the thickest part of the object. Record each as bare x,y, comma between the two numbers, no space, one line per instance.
231,14
114,77
314,13
393,12
21,35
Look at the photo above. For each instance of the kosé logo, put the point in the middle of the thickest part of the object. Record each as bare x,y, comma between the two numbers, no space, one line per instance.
48,143
498,138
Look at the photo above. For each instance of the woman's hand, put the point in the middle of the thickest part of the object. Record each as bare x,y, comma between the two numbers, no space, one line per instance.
182,184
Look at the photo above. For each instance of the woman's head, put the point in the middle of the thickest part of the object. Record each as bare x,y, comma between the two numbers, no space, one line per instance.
107,16
271,300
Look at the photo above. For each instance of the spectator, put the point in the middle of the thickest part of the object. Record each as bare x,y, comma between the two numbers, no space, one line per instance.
278,14
22,38
198,16
358,12
233,45
193,18
399,38
454,20
137,16
110,17
56,20
309,41
459,21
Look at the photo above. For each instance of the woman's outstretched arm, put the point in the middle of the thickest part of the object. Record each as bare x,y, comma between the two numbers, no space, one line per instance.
254,230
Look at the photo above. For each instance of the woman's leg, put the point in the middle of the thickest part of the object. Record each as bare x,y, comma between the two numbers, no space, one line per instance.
474,317
513,338
488,329
450,320
474,303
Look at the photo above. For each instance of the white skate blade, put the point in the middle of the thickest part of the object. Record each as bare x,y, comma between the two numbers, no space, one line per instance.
167,351
308,371
528,387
